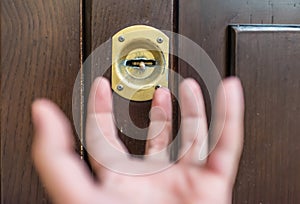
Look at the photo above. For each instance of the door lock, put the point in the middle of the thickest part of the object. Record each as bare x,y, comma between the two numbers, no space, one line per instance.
140,60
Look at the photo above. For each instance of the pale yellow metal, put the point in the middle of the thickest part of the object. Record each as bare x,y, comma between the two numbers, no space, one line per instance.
139,43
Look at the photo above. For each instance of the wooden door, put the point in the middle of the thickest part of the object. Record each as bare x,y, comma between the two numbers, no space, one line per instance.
44,43
40,57
266,58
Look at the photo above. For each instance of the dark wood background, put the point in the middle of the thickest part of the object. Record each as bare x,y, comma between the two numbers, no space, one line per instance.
266,61
41,52
40,57
268,65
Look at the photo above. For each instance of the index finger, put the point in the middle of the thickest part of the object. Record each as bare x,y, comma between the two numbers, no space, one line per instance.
225,157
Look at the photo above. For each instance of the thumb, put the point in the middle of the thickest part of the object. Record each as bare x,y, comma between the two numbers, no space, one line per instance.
63,173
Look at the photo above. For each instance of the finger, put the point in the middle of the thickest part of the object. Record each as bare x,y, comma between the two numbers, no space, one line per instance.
63,173
225,157
160,125
193,122
101,135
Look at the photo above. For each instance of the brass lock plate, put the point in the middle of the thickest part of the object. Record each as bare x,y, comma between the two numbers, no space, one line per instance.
140,60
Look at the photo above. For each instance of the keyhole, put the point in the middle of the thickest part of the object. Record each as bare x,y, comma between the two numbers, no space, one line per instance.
140,63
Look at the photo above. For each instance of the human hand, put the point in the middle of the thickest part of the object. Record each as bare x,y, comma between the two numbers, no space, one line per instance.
68,180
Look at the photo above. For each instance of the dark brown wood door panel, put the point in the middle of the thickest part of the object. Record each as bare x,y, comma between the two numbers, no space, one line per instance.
206,22
266,175
39,58
266,58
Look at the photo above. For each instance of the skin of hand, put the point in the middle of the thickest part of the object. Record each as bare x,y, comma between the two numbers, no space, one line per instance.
68,180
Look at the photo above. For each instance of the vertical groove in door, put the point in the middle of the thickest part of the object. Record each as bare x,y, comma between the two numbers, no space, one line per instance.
81,17
173,81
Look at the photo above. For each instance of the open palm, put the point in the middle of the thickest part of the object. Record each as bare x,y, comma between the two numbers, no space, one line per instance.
190,180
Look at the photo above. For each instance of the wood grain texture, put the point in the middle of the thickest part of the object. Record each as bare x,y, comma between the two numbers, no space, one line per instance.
206,22
39,58
104,19
266,58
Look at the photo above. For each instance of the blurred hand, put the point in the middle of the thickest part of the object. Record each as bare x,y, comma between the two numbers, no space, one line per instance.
68,180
